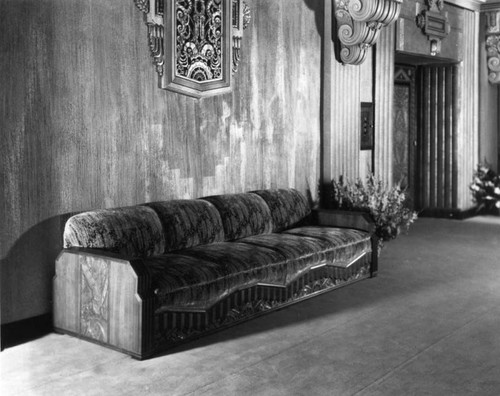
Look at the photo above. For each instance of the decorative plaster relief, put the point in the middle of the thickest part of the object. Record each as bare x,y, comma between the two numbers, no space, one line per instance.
493,45
154,21
241,20
359,23
434,24
94,309
195,44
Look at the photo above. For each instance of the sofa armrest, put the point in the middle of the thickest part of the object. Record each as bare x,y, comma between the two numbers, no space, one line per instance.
105,298
344,219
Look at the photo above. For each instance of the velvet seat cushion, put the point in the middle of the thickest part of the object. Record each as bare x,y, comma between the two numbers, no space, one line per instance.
198,277
345,244
301,253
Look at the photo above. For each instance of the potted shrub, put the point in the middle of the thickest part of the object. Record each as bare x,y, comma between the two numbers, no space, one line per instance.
486,189
388,206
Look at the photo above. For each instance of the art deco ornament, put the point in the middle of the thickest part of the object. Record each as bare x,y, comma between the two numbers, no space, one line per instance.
434,24
359,23
493,45
195,44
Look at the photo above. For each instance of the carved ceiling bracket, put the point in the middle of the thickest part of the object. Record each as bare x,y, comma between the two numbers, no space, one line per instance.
359,23
195,44
434,24
493,45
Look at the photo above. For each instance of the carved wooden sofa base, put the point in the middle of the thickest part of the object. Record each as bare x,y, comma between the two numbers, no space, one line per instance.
147,278
250,303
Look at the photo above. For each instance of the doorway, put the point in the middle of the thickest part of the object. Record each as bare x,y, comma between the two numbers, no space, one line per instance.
424,139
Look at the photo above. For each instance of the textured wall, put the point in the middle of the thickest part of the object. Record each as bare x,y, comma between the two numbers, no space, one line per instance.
84,126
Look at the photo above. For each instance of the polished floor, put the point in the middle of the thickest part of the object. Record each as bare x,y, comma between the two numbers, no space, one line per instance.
429,324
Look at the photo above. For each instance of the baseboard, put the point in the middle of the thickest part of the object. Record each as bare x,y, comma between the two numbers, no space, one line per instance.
456,214
22,331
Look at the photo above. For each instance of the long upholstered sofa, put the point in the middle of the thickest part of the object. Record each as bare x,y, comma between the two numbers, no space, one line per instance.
144,278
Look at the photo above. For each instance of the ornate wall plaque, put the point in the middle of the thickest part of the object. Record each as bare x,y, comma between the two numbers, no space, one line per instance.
434,24
359,23
195,44
493,45
198,46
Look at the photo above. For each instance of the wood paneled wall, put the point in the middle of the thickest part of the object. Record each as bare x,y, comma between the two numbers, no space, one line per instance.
84,125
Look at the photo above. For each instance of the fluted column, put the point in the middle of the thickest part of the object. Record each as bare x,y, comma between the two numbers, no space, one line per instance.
384,92
468,113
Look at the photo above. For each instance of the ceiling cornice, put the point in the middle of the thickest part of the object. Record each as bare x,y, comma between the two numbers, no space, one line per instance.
476,5
491,6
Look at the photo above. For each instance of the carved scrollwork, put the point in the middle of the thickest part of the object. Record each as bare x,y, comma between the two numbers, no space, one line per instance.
359,23
493,46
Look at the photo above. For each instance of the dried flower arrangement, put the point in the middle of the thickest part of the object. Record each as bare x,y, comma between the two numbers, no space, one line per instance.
388,206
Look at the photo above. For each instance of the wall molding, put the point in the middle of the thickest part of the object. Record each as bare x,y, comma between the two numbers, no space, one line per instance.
475,5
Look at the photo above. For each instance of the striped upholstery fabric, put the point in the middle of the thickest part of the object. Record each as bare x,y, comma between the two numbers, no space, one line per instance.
242,215
134,231
288,207
188,223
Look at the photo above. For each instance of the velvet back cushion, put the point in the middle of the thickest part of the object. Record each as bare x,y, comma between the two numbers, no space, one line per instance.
242,215
288,207
134,231
188,223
